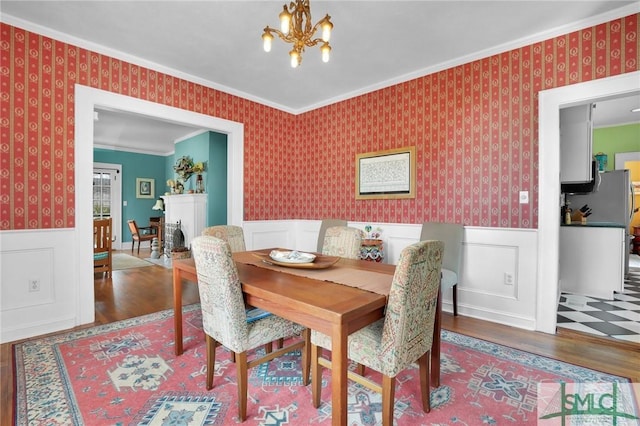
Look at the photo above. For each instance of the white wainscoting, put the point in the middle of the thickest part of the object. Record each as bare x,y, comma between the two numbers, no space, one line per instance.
48,257
52,257
488,254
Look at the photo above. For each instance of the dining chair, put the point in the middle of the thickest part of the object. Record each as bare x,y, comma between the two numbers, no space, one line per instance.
102,255
327,223
225,321
402,337
234,235
139,236
343,241
451,234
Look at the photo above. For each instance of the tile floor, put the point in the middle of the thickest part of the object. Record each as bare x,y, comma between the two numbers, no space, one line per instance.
618,318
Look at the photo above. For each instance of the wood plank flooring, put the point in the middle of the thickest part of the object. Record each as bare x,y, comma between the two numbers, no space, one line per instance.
134,292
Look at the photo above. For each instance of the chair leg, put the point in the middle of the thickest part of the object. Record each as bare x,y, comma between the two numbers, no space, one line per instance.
388,398
316,376
425,391
241,369
139,246
306,356
455,299
211,360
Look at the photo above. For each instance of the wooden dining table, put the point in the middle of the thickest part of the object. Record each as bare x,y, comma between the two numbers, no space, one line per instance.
334,309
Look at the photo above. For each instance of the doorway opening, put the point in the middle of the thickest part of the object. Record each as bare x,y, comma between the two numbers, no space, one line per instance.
551,101
107,196
86,101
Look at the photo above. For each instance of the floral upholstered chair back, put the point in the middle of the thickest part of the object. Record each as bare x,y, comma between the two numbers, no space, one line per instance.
343,241
234,235
407,332
223,310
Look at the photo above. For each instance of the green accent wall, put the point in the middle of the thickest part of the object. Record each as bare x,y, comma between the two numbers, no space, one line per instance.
210,148
134,166
611,140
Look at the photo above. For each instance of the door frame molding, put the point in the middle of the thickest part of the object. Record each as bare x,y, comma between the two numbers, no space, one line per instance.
550,102
86,100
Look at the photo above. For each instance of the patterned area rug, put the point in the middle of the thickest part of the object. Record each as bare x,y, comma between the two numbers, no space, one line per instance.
125,261
127,373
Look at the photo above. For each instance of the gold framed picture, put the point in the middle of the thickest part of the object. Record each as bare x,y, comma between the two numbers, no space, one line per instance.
389,174
145,188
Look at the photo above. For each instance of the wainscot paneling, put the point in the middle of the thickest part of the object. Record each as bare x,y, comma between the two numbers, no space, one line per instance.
42,256
488,254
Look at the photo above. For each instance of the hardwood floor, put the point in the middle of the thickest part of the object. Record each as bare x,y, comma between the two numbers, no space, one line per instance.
134,292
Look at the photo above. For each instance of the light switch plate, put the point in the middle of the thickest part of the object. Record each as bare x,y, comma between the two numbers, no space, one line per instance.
524,197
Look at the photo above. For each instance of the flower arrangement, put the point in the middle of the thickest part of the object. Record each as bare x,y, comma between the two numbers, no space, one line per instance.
373,234
198,167
184,168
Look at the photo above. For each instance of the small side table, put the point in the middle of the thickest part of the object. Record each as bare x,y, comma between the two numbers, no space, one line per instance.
372,250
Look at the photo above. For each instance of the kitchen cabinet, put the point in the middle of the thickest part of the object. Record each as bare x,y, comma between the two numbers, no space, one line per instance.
592,259
576,134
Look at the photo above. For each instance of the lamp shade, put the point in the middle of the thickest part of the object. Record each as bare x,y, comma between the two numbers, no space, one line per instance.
159,205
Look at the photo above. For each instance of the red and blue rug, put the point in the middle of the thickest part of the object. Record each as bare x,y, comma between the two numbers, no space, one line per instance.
126,373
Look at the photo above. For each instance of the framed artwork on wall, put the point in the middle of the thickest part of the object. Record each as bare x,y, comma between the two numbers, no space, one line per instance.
389,174
145,188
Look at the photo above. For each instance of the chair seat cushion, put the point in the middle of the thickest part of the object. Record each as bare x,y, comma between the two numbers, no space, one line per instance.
449,279
100,256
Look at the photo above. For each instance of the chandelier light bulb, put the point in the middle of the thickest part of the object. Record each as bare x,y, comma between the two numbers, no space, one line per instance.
267,38
325,49
285,20
295,59
327,26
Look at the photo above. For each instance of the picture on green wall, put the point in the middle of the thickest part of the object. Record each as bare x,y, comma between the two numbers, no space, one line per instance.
145,188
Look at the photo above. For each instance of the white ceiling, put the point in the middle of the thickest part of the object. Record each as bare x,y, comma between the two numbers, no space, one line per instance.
217,44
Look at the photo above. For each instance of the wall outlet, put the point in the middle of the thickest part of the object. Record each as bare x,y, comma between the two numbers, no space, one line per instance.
508,278
34,284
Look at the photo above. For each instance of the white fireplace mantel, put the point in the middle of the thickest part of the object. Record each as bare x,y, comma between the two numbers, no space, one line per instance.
190,210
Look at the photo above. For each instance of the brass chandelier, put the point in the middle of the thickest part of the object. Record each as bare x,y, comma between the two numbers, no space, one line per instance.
295,28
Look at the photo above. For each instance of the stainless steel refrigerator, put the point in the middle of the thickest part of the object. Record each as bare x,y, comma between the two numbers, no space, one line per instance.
612,200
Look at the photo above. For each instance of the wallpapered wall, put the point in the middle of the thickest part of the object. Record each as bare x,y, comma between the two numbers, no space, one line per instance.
474,126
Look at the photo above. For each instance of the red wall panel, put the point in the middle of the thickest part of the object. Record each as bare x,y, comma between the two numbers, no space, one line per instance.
474,127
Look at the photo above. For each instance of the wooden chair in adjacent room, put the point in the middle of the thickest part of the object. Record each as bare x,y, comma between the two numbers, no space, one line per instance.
451,234
102,246
343,241
140,234
225,320
402,337
324,225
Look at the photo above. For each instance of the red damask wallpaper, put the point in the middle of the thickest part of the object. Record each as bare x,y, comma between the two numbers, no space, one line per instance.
474,127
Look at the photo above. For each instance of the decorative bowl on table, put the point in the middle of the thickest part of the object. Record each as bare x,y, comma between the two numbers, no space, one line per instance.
291,256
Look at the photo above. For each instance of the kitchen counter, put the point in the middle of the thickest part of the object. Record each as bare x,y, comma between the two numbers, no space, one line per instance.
595,225
592,259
